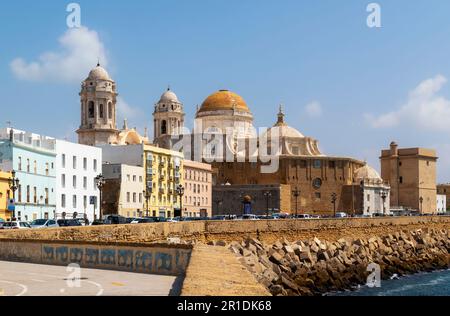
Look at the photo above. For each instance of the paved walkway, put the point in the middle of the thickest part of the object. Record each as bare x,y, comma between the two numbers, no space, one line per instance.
22,279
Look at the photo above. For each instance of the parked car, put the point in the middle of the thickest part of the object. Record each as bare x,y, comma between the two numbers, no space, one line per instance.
248,217
224,217
270,217
68,223
146,220
302,216
172,220
43,223
281,215
130,220
114,220
15,225
341,215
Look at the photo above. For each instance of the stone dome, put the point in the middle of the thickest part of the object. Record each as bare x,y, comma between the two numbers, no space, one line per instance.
367,173
285,131
168,97
224,100
98,73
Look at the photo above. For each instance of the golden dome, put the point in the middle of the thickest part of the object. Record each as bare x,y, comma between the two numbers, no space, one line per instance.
224,100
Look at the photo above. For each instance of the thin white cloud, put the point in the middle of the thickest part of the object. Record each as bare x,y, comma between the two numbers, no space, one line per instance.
79,50
126,111
424,109
314,109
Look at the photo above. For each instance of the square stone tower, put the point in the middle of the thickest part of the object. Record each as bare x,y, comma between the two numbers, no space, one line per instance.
411,172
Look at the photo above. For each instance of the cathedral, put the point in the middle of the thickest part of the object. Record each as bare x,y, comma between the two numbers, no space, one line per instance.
247,164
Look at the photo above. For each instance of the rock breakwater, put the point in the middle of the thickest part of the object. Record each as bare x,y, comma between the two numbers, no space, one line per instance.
315,267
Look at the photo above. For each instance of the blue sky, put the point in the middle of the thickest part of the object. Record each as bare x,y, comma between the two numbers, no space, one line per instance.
367,86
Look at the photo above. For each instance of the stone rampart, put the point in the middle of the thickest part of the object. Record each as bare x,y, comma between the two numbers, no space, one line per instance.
204,231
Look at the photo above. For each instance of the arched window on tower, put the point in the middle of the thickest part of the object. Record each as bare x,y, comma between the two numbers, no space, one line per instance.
91,109
110,110
101,111
164,128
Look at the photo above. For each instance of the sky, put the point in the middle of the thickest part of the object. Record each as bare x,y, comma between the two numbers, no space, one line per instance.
352,87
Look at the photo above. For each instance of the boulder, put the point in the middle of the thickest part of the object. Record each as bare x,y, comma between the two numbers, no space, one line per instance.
276,258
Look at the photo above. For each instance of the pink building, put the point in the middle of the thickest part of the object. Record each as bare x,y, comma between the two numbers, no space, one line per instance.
198,189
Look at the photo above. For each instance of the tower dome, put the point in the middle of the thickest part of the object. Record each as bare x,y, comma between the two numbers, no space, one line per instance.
282,129
168,97
99,73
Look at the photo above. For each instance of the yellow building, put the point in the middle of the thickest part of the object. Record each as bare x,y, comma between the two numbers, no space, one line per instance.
164,169
4,195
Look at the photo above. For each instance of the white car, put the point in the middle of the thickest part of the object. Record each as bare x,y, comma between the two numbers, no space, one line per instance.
248,217
43,223
16,225
341,215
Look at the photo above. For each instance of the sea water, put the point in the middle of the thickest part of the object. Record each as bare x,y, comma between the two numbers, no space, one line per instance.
421,284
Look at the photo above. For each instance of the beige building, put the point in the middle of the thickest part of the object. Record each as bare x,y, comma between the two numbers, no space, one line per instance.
124,190
411,173
197,201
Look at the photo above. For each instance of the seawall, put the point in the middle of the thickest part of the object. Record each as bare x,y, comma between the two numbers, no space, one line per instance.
205,231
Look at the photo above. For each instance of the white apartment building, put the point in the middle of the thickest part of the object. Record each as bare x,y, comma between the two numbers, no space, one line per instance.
126,190
441,203
77,166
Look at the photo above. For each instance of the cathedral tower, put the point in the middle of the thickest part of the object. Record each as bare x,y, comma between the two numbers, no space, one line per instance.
98,109
168,119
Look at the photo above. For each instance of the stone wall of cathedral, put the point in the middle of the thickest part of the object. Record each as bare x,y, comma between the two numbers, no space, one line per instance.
317,178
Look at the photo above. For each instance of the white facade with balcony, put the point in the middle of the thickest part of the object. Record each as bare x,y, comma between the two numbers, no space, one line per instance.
77,166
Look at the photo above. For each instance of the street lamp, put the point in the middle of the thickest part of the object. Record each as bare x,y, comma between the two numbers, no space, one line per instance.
100,182
421,205
383,197
14,185
296,194
180,192
333,200
219,203
268,195
40,204
147,194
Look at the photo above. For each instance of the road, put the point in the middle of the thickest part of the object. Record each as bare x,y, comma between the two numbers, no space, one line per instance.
23,279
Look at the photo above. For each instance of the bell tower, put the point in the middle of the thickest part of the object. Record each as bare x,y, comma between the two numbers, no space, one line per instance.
168,119
98,98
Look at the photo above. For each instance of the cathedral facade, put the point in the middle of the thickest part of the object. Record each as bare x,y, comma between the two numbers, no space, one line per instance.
225,137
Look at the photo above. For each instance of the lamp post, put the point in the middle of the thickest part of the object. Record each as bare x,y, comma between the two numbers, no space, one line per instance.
40,204
421,205
268,195
296,194
180,192
333,200
383,197
100,182
147,194
14,185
